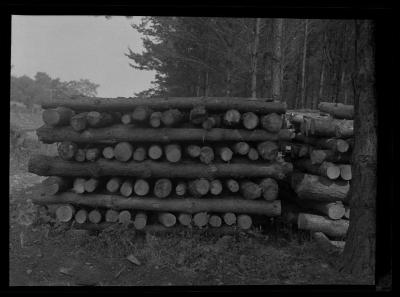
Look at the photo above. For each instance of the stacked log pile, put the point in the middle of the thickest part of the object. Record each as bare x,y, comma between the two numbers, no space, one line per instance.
194,162
321,156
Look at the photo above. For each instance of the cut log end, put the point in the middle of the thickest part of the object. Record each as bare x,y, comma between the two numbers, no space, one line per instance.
244,221
81,216
123,151
229,218
140,221
185,219
200,219
65,213
155,152
125,217
215,221
162,188
141,187
167,219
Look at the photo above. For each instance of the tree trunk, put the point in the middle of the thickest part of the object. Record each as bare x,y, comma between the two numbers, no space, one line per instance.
337,110
141,114
97,119
359,253
322,74
319,156
303,67
254,58
326,169
329,246
316,223
155,119
332,210
339,145
55,184
272,122
277,59
78,122
59,116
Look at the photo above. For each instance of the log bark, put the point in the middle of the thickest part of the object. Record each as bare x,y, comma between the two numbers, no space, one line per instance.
112,216
270,189
332,210
114,184
319,156
126,119
211,103
206,155
325,169
80,155
319,188
345,171
97,119
123,151
67,150
65,213
215,221
337,110
250,120
339,145
241,148
232,204
92,154
173,153
155,119
171,117
155,152
162,188
108,152
81,216
232,185
268,150
126,189
229,218
331,128
79,185
253,154
232,117
167,219
213,121
272,122
55,184
225,153
141,114
139,154
141,187
59,116
199,187
198,115
329,246
185,219
200,219
244,221
91,185
125,217
193,150
49,166
180,189
140,221
78,122
250,190
316,223
216,187
121,133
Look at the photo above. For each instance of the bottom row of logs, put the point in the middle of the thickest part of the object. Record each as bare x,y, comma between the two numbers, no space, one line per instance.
139,219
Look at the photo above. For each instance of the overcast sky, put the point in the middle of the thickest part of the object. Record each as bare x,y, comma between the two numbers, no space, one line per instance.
75,47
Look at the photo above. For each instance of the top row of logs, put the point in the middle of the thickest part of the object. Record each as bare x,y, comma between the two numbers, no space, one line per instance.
198,116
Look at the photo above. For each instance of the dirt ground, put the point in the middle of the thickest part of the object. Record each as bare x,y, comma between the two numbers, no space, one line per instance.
43,253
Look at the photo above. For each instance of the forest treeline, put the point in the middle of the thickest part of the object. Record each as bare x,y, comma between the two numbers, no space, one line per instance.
299,61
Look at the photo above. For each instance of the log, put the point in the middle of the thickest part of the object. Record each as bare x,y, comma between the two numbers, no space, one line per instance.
141,187
126,188
119,133
250,120
162,188
55,184
244,221
225,153
173,153
171,117
232,185
329,246
141,114
79,185
112,216
125,217
155,152
215,221
229,218
108,152
200,219
319,188
272,122
212,121
198,115
155,119
59,116
97,119
253,154
216,187
185,219
67,150
269,188
65,213
123,151
250,190
126,119
92,154
78,122
268,150
345,171
180,189
91,185
347,212
241,148
339,145
319,156
199,187
140,221
167,219
337,110
193,150
232,117
233,204
206,155
114,184
316,223
332,210
140,154
331,128
326,169
211,103
80,155
49,166
81,216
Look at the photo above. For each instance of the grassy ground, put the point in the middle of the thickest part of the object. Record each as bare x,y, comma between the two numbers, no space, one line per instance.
45,253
